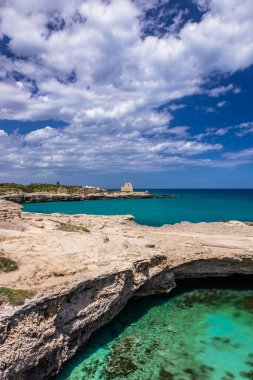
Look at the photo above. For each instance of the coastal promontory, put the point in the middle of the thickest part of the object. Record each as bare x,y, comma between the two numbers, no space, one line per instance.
41,192
62,277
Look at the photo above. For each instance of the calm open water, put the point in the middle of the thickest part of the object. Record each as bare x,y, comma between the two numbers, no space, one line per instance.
190,205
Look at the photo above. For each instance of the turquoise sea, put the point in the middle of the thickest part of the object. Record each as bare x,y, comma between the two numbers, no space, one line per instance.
195,334
189,205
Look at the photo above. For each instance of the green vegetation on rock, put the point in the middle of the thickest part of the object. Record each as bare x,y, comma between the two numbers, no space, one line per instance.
72,228
40,188
14,296
7,265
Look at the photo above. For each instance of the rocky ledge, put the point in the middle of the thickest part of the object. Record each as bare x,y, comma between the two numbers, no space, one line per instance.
61,197
63,277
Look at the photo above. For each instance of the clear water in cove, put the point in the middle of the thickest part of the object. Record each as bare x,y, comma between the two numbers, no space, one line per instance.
190,205
202,334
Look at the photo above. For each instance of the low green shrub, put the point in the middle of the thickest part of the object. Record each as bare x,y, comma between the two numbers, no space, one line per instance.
72,228
7,265
15,297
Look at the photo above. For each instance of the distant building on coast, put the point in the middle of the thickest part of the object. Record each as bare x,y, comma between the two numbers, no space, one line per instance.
127,188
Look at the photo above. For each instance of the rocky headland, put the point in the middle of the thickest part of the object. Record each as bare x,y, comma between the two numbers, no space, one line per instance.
62,277
61,197
35,193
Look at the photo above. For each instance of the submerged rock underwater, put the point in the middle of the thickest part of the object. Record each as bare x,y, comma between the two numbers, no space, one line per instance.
192,334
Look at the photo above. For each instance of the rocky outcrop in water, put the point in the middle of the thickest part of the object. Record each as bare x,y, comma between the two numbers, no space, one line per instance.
47,197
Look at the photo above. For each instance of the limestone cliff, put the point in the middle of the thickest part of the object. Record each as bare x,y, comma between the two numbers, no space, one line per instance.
38,338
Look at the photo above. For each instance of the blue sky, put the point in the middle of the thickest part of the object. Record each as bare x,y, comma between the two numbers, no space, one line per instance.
99,92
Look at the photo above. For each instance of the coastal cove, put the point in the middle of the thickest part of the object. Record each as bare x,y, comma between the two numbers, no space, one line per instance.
201,333
188,205
73,274
126,190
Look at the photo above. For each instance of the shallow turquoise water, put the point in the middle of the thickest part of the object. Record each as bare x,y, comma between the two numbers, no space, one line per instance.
202,334
190,205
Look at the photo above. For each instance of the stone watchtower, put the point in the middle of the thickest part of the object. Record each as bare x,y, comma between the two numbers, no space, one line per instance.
127,188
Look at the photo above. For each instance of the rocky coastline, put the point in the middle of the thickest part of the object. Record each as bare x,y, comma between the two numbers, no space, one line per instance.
82,270
61,197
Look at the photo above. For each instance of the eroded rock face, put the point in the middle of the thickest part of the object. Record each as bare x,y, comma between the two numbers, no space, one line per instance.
51,330
38,338
9,210
214,267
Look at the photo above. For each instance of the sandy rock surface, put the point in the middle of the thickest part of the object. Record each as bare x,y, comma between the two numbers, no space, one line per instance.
49,256
9,210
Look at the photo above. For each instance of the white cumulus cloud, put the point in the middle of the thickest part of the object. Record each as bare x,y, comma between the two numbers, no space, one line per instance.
88,64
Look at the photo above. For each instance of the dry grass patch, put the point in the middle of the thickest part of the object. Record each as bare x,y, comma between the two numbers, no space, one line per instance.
15,297
7,265
72,228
